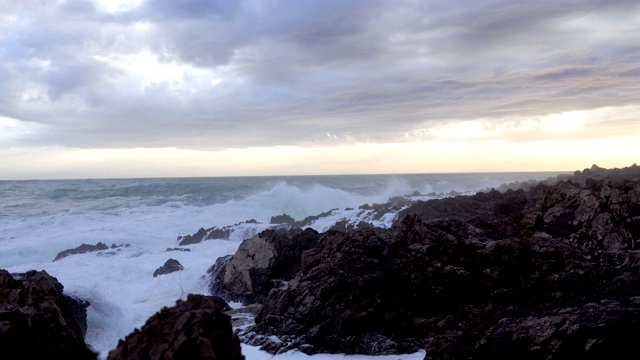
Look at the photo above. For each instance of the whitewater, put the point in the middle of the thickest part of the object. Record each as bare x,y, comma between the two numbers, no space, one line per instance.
40,218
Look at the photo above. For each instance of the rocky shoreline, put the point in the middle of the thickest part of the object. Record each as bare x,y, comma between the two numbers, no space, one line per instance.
547,271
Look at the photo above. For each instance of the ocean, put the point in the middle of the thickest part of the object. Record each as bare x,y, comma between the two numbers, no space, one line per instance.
40,218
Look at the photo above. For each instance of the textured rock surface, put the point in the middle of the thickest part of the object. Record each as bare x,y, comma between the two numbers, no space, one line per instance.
262,262
37,321
192,329
171,265
85,248
548,273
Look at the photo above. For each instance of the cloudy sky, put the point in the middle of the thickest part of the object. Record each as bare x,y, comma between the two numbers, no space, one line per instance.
137,88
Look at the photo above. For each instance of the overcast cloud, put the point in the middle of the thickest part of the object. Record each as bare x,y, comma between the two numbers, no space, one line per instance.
231,74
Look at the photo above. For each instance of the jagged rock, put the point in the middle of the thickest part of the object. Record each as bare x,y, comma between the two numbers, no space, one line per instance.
547,273
37,321
216,233
84,248
262,262
593,331
193,329
207,234
79,310
596,218
282,219
306,222
193,239
171,265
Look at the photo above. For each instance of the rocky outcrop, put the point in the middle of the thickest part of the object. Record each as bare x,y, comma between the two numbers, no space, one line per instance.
193,329
604,216
603,330
85,248
262,262
213,233
547,273
282,219
171,265
37,320
199,236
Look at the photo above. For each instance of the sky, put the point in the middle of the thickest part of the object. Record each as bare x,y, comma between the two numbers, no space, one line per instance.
153,88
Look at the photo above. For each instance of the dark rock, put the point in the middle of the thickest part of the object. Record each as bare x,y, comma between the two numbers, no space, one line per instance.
78,308
171,265
208,234
282,219
193,329
37,321
193,239
177,249
216,233
262,262
310,219
593,331
547,273
84,248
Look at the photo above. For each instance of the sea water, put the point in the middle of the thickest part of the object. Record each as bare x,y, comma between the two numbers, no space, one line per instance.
40,218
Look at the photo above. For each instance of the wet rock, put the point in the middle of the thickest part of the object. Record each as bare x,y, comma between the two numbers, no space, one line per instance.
37,320
84,248
262,262
282,219
177,249
171,265
193,329
193,239
216,233
542,274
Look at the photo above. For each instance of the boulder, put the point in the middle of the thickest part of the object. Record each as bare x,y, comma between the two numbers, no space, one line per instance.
37,320
196,328
171,265
262,262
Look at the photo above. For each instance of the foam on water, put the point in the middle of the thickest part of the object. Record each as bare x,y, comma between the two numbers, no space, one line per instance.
41,218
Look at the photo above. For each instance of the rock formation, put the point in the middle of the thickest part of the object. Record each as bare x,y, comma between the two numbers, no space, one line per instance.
85,248
548,273
282,219
37,321
192,329
171,265
262,262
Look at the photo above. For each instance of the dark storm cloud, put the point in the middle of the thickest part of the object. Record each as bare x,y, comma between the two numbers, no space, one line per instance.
259,73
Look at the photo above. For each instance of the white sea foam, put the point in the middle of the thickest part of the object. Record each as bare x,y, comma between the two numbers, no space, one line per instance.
40,219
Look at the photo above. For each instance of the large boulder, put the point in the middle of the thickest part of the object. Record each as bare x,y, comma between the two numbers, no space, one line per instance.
193,329
37,320
262,262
